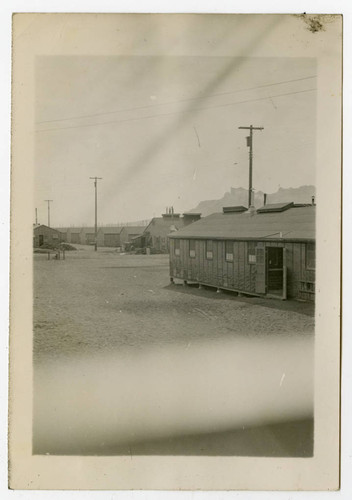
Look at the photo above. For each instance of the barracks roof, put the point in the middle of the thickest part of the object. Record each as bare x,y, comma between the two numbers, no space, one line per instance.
165,223
292,223
39,228
110,229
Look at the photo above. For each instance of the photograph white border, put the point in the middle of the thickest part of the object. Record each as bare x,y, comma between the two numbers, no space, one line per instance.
333,218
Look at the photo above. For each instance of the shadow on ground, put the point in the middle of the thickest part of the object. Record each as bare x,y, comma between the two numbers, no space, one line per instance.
307,308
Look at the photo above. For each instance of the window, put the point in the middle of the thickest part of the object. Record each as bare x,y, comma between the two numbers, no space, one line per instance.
229,251
177,247
209,249
192,248
55,236
251,252
310,256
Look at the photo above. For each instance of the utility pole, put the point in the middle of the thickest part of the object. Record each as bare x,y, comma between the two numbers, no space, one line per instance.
48,201
250,145
36,217
96,211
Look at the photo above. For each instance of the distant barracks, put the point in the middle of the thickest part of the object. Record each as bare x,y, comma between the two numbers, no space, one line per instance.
269,252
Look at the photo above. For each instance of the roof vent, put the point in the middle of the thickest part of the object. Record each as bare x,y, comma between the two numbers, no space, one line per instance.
275,207
231,210
251,210
171,215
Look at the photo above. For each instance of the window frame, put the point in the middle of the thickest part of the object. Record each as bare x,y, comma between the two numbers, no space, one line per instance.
251,253
232,243
209,253
177,247
191,250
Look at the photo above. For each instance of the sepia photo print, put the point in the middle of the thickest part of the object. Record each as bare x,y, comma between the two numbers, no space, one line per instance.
175,251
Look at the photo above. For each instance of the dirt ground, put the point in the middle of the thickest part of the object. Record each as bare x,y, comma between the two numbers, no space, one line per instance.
100,301
104,304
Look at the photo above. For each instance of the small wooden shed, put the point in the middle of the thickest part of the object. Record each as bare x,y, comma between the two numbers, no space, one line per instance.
45,235
266,252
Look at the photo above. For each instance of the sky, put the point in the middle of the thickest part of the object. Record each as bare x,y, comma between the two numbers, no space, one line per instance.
163,131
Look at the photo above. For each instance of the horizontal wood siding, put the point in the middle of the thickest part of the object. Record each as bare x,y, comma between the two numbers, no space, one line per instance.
289,267
194,264
218,262
172,259
236,264
239,274
296,268
202,274
228,268
241,265
309,277
252,272
184,250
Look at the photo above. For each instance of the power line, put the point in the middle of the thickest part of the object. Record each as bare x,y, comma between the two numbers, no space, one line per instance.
175,102
176,112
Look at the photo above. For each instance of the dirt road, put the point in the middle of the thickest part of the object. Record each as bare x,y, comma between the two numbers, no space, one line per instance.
101,301
115,343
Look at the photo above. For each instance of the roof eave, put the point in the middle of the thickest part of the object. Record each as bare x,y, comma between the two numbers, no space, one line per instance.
242,238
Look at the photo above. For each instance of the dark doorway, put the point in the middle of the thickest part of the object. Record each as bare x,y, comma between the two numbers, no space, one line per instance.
41,240
275,271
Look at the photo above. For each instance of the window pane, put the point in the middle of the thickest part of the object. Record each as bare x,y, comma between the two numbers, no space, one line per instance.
251,252
229,251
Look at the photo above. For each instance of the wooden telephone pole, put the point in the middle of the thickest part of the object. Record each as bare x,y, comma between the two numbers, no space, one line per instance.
48,202
250,145
96,211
